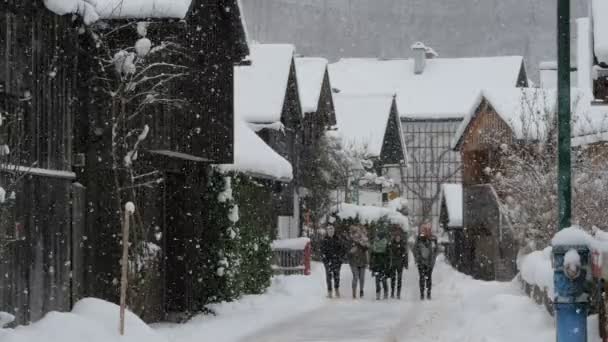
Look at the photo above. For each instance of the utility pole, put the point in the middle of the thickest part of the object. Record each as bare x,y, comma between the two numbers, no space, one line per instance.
571,298
564,187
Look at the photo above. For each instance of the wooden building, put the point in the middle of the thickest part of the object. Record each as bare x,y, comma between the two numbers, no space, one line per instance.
319,116
450,218
370,125
268,99
63,240
38,103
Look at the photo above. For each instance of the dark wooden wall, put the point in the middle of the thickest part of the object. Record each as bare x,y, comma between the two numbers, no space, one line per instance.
37,91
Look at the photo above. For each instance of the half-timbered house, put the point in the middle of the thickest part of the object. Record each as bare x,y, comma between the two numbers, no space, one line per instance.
428,120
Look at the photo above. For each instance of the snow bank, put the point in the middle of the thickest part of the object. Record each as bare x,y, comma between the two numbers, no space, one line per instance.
93,10
288,297
452,194
536,269
600,29
369,214
91,320
293,244
260,88
252,156
362,120
310,72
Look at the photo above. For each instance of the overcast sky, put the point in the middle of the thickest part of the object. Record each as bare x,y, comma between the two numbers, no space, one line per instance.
387,28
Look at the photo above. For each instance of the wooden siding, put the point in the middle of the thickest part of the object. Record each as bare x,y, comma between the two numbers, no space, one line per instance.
38,82
38,63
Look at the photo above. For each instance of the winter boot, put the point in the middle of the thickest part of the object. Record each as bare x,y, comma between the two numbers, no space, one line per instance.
392,294
337,293
355,294
428,295
377,295
385,294
329,294
421,295
398,296
361,294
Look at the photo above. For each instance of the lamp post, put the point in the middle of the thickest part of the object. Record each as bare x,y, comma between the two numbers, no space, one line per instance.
571,303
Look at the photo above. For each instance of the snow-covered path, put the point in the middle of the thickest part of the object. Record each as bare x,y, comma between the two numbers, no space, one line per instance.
462,309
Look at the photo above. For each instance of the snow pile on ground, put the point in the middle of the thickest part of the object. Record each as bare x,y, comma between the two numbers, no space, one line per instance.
287,297
91,320
369,214
93,10
252,156
536,269
293,244
465,309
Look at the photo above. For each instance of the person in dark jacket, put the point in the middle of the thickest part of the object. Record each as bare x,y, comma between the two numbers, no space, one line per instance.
380,263
332,255
357,257
425,252
398,252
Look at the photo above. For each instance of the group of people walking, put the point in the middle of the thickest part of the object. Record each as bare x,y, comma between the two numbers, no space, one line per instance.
387,255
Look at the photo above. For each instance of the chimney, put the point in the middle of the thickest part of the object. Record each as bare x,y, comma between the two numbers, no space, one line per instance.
419,51
548,74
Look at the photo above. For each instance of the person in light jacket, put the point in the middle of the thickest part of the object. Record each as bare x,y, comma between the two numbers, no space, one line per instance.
357,257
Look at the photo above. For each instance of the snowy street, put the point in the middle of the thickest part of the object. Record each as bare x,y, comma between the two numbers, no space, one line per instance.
294,309
462,309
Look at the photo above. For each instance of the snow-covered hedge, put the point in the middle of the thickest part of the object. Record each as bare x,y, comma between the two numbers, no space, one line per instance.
536,270
371,214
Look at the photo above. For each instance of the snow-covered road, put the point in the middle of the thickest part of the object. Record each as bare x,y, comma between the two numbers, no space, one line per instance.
294,309
462,309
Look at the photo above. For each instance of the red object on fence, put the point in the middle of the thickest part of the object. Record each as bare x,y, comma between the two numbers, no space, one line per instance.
307,258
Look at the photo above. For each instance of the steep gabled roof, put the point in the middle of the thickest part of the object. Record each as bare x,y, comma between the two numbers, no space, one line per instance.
253,157
260,88
362,120
311,73
527,112
445,89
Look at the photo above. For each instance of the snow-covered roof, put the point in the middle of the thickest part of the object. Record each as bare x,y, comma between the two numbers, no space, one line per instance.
527,110
260,88
252,156
310,72
369,214
362,120
600,29
445,88
452,194
291,244
93,10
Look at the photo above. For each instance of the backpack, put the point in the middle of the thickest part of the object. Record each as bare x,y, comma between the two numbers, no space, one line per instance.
379,246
